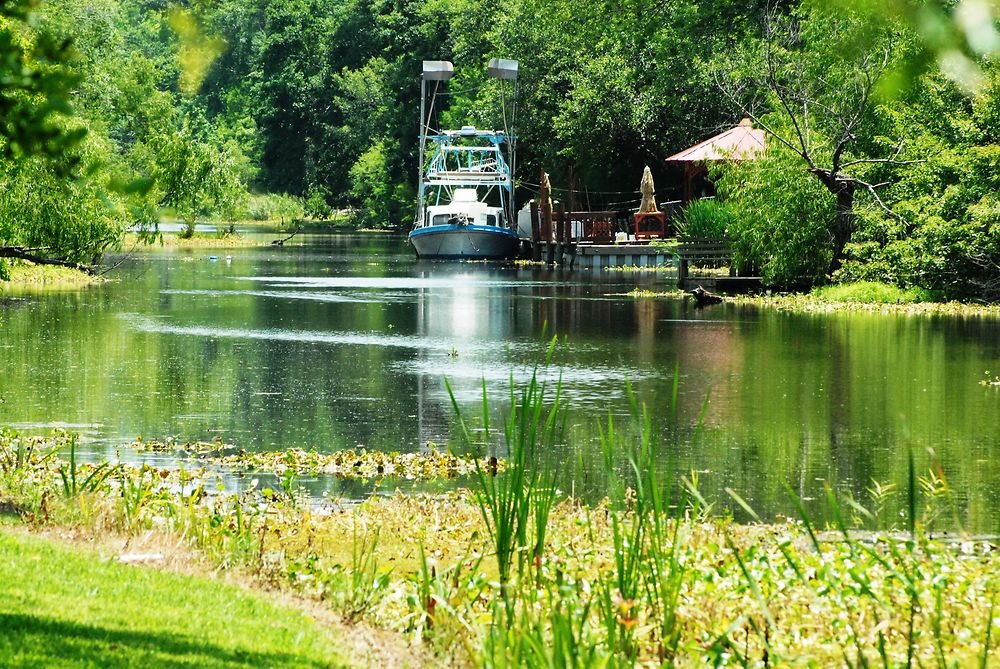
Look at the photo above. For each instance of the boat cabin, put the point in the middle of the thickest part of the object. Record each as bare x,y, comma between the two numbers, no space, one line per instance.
464,209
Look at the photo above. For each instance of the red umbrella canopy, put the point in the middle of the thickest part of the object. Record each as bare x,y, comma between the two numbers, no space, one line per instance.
744,142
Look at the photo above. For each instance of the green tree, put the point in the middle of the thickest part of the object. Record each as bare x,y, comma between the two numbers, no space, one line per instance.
780,219
946,234
812,82
194,175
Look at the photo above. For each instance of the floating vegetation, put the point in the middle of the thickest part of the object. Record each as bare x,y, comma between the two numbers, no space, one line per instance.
198,241
812,304
170,445
643,292
803,303
990,381
359,463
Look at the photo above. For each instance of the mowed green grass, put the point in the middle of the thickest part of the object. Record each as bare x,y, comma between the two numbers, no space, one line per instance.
63,607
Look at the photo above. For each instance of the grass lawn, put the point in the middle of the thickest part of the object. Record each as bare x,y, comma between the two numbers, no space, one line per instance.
66,607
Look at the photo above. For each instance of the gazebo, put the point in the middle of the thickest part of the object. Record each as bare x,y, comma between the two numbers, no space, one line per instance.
744,142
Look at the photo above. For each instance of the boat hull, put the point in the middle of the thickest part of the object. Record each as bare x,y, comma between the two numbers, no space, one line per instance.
464,242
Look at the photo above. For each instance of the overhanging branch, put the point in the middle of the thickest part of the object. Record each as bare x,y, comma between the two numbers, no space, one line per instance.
31,255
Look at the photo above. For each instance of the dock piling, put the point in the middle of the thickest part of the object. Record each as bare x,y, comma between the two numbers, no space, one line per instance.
536,233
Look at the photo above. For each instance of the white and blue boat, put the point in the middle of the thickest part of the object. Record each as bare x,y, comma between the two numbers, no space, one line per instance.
466,182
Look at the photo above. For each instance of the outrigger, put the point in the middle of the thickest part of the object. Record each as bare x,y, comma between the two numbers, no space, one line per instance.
465,206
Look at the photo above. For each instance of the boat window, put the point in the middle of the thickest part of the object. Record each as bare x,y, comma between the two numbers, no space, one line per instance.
439,219
491,219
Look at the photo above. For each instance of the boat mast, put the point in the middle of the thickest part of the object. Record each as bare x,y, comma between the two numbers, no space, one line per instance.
436,71
506,70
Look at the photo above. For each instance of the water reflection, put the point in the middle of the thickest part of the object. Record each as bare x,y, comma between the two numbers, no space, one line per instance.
347,342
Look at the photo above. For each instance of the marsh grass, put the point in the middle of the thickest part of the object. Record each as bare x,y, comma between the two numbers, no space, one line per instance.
366,583
28,278
515,574
73,482
520,497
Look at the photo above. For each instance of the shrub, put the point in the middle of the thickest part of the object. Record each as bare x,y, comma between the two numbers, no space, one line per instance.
870,292
272,207
780,216
706,218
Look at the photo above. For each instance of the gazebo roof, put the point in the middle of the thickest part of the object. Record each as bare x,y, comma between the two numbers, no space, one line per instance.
743,142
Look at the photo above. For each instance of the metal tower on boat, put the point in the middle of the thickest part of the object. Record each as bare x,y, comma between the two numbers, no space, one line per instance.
460,170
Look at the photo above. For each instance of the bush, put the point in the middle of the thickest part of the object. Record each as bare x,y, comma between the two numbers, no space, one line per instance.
271,207
870,292
706,218
780,215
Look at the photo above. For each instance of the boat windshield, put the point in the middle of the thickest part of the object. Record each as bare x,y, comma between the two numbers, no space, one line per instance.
452,218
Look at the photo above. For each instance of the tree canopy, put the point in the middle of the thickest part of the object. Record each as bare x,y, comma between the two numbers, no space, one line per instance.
131,111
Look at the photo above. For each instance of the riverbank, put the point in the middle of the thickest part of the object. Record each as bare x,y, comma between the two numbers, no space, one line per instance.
512,572
30,278
847,298
198,241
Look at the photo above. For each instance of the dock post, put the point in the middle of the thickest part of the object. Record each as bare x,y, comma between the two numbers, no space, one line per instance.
546,219
536,233
560,240
569,246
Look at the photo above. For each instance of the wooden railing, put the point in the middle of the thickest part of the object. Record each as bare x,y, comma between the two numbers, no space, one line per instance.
703,249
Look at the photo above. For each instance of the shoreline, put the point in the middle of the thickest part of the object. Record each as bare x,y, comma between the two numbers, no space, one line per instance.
805,303
632,576
28,278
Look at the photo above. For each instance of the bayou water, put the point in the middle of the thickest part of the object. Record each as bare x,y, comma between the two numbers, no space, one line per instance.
345,341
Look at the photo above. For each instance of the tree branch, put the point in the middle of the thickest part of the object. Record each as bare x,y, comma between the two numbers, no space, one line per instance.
892,161
871,190
24,253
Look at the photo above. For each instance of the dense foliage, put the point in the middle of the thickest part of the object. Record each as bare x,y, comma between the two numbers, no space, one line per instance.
880,117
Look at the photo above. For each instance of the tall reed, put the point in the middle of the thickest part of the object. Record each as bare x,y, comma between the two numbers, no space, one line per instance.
519,498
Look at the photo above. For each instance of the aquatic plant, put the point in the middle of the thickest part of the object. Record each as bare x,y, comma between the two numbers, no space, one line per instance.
18,451
70,473
526,489
810,303
357,463
990,381
365,583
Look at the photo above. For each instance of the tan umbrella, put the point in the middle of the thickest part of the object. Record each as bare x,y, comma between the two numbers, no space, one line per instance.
648,205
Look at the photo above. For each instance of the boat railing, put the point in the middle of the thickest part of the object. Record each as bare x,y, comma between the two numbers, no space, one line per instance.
467,178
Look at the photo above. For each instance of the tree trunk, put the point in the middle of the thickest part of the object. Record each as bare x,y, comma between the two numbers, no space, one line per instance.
843,223
842,226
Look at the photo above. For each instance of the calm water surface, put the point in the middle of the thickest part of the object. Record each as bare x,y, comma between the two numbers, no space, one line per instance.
346,341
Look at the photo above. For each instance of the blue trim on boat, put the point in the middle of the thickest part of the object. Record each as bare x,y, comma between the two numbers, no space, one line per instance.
433,229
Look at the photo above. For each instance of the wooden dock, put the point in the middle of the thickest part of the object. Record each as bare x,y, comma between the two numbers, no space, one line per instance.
711,251
601,256
585,240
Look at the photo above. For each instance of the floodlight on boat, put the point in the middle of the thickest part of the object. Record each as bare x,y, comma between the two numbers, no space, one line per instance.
468,130
438,70
501,68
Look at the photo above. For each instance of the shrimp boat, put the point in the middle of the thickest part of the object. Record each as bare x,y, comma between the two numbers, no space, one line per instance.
465,204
